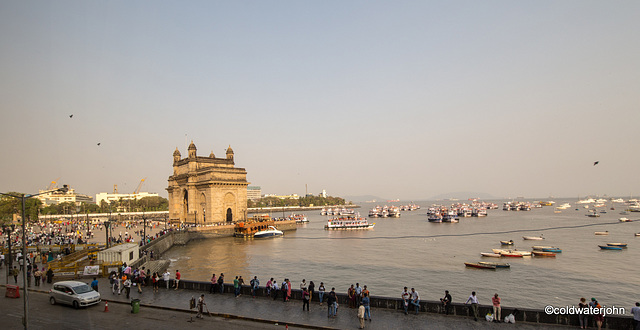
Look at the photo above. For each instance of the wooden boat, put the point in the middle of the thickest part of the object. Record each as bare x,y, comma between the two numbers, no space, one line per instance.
479,265
512,255
503,252
607,247
497,264
637,234
509,242
543,254
602,233
623,245
623,219
490,255
533,238
547,249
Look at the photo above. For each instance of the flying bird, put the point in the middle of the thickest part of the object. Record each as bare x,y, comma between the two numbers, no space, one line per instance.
596,163
71,116
98,143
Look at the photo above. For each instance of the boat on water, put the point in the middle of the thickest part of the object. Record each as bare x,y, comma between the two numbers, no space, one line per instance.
593,214
509,242
479,265
504,252
622,245
348,223
299,218
637,234
602,232
623,219
435,217
547,249
533,238
497,264
252,227
512,255
490,255
271,231
607,247
543,254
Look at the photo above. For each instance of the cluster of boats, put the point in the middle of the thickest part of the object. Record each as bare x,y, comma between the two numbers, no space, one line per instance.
384,212
453,213
348,223
519,206
299,218
337,211
613,246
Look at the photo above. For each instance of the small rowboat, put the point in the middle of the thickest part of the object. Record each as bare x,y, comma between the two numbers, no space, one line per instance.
509,242
497,264
547,249
543,254
602,232
512,255
491,255
479,265
624,220
622,245
503,252
533,238
607,247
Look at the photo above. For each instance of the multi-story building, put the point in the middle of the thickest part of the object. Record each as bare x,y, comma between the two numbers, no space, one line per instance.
292,196
56,197
109,197
254,193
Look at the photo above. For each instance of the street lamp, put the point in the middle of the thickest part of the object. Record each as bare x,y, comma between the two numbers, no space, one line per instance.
23,198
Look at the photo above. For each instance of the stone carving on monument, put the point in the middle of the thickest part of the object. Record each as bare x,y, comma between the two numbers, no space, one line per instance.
207,190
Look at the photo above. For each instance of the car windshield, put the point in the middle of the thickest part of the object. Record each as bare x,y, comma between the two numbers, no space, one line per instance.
82,289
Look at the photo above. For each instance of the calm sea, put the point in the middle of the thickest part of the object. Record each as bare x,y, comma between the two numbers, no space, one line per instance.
410,251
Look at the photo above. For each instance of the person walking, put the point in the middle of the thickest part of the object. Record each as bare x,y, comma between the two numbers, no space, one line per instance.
49,275
366,302
361,315
405,300
305,298
37,275
201,305
446,302
127,285
321,290
497,310
474,305
15,272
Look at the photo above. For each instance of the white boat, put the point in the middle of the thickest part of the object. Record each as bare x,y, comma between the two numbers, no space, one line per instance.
533,238
347,223
637,234
299,218
503,251
490,255
271,231
624,220
602,233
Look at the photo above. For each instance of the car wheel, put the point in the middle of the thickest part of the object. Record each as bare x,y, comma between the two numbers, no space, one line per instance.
52,301
76,305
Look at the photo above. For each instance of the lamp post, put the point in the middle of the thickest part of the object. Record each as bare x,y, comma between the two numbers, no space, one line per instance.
23,198
144,228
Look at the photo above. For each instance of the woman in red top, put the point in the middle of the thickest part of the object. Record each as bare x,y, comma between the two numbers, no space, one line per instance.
496,308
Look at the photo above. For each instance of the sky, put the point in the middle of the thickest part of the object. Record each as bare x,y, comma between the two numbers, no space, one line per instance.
398,99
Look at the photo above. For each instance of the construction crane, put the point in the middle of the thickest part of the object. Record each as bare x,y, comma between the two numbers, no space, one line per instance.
53,184
139,186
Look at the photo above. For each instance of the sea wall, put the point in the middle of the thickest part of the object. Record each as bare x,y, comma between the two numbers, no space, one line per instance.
459,309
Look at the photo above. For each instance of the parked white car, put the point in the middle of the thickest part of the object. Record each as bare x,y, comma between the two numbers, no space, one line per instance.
74,293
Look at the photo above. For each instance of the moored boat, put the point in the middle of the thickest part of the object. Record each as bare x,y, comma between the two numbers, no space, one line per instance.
271,231
497,264
622,245
637,234
547,249
543,254
490,255
623,219
512,255
607,247
509,242
479,265
602,232
533,238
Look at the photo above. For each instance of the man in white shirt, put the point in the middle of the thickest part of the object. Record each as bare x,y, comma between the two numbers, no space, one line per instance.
405,300
303,285
636,316
165,277
474,304
415,299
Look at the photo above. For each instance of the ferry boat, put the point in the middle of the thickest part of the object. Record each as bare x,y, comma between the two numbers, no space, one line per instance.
349,222
252,227
299,218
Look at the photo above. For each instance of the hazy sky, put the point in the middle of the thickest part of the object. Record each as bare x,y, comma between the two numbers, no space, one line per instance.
400,99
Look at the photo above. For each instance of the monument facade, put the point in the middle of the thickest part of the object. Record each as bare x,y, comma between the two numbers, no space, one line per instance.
207,190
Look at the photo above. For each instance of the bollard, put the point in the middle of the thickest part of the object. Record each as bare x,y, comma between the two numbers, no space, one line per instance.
106,306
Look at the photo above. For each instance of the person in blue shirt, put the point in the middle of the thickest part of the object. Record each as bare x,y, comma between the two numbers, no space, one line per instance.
367,303
94,284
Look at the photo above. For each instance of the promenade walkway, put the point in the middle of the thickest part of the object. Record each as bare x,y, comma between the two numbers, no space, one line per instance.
266,310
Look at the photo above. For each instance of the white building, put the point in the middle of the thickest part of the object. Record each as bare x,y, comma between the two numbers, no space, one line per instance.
254,193
57,197
109,197
293,196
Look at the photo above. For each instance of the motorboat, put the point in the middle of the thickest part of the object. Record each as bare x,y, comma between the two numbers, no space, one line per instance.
497,264
271,231
299,218
602,233
547,249
623,219
509,242
607,247
490,255
347,223
533,238
479,265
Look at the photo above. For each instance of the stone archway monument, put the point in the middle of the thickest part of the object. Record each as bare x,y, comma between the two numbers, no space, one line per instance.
207,190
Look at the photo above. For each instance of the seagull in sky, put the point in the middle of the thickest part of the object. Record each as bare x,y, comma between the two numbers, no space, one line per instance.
596,163
71,116
98,143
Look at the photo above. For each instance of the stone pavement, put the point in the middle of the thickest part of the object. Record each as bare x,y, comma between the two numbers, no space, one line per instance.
266,310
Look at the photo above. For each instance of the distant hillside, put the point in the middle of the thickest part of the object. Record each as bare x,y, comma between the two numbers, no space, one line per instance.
464,195
363,198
